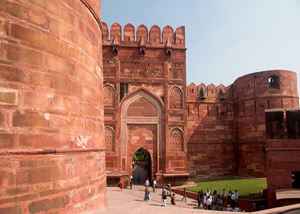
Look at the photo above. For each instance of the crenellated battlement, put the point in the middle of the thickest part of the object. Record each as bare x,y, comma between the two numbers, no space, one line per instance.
142,36
203,92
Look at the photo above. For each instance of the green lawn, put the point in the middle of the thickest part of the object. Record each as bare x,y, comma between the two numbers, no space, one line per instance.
245,187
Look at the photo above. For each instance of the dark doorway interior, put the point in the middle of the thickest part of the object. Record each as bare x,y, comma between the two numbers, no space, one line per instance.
296,179
141,166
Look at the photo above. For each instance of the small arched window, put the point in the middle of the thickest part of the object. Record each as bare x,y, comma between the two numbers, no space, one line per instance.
273,82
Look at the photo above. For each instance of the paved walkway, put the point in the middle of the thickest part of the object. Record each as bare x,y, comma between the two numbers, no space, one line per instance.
132,201
128,201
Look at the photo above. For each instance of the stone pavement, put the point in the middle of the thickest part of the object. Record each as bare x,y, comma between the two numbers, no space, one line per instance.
132,201
128,201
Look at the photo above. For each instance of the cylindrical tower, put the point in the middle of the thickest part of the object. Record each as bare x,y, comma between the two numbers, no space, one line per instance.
52,155
253,94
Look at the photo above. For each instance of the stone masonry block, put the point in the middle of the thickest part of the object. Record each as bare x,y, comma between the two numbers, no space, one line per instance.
11,210
24,55
8,96
48,204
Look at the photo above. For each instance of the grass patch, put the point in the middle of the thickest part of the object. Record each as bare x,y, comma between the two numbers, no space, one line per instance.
245,187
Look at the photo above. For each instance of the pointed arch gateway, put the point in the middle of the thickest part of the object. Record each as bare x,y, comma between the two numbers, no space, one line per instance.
141,169
141,127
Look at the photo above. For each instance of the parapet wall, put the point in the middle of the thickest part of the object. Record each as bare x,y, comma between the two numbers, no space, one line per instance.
51,110
154,37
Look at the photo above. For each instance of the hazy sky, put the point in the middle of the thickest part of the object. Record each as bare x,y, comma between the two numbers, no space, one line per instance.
225,39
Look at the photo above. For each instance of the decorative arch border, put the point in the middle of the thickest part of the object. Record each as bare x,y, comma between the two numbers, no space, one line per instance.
108,84
111,128
159,106
175,86
176,127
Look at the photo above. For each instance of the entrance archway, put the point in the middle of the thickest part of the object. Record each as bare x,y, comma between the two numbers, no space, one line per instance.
141,127
141,166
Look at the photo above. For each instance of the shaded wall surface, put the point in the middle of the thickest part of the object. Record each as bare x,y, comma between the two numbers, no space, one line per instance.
283,156
51,108
226,125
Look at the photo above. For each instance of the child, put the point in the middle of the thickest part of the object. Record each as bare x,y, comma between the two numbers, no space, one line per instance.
173,199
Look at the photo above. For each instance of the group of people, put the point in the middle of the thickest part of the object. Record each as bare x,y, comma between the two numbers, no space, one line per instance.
166,191
207,200
215,201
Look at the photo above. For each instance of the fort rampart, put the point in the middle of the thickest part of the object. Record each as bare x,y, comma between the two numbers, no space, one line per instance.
226,125
51,108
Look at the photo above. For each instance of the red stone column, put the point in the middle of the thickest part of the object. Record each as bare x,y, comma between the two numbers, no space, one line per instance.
52,154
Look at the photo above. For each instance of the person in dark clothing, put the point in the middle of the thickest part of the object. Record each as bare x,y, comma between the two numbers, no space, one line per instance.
184,195
173,199
199,198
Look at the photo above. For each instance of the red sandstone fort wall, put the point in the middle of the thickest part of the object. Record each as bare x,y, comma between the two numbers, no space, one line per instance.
150,62
253,94
226,128
211,132
51,108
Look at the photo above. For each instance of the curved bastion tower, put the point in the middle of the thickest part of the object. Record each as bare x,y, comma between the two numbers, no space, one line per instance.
51,111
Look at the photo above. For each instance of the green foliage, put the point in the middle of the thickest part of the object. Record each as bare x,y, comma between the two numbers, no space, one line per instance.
245,187
142,155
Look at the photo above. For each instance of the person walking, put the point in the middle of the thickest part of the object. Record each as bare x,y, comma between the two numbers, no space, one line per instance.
154,184
163,197
146,194
184,195
169,188
131,181
147,182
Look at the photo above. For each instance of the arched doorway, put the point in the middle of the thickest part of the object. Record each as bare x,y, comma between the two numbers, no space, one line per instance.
141,127
141,166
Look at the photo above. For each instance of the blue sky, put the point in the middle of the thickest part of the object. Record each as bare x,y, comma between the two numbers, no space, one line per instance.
225,39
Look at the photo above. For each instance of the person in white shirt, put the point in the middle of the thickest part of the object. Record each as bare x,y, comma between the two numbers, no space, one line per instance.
236,195
209,202
233,201
147,182
154,184
207,192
